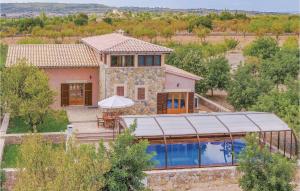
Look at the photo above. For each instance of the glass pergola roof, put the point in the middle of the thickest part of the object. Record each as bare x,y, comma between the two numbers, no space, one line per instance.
204,124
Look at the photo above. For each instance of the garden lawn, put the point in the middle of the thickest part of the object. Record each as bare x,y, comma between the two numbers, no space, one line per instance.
10,156
55,121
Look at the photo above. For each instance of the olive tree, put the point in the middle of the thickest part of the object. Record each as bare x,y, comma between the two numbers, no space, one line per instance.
263,47
128,160
217,75
44,166
262,170
25,92
246,86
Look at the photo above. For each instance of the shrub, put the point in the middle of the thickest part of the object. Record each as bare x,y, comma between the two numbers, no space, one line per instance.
262,170
263,47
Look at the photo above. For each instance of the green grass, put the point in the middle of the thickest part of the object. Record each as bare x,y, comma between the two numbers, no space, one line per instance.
10,156
55,121
3,53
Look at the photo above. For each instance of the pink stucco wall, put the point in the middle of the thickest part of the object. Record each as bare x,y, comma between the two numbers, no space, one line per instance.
57,76
173,80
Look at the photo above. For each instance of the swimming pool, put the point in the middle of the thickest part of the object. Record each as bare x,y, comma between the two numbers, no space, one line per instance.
187,154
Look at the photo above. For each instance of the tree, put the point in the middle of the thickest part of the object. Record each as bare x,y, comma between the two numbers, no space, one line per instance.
231,43
218,74
44,166
167,32
25,92
226,15
262,170
246,86
290,44
281,66
243,27
201,33
108,20
128,161
263,47
285,104
81,19
278,29
200,22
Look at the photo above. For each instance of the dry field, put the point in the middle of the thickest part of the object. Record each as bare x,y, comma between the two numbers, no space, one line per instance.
177,38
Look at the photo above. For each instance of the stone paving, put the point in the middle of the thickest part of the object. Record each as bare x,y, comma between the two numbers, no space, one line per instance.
82,114
84,120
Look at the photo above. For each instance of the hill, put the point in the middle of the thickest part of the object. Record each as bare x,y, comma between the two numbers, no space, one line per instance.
58,9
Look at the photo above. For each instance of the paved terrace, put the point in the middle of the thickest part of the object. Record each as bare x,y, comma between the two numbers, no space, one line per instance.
84,119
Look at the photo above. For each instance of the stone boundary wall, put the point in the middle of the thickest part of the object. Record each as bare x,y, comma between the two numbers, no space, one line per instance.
10,178
55,137
3,129
186,179
171,180
212,105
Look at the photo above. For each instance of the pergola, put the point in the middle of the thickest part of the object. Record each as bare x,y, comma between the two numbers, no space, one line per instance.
168,129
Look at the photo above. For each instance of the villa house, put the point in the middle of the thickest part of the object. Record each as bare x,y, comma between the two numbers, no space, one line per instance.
112,64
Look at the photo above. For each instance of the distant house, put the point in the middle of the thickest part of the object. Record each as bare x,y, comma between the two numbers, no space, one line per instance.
112,64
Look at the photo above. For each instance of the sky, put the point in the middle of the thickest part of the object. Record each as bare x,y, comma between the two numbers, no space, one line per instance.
292,6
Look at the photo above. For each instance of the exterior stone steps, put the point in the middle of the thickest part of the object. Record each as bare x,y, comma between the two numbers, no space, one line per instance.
94,137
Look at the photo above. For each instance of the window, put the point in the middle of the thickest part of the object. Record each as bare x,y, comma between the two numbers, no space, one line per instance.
141,60
116,61
128,61
120,91
122,61
149,60
196,102
141,93
157,60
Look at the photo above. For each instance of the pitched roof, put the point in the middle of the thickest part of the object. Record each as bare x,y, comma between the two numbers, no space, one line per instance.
52,55
176,71
117,43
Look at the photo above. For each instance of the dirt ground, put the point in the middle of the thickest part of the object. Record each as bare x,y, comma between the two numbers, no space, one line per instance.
220,97
177,38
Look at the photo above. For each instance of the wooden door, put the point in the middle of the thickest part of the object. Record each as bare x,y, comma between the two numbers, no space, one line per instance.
76,94
88,94
64,94
176,103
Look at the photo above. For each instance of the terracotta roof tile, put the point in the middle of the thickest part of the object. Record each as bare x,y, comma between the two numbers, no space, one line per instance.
117,43
180,72
52,55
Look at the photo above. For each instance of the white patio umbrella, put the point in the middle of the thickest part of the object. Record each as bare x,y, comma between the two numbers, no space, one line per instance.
115,102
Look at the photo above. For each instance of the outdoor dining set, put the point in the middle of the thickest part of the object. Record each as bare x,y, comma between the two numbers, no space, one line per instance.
112,109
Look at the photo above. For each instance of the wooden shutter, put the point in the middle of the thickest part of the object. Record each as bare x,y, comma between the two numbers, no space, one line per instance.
191,102
88,94
162,99
120,90
141,94
64,95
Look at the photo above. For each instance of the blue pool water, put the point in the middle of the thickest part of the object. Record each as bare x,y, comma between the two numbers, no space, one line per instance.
212,153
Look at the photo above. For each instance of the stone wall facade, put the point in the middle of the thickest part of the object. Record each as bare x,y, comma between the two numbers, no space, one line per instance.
187,179
52,137
171,180
153,78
